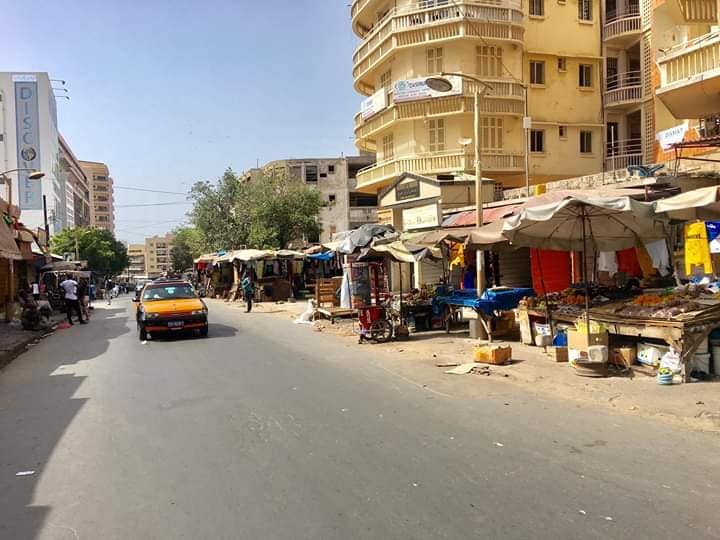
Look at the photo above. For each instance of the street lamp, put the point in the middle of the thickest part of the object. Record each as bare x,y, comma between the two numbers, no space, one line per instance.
34,175
443,84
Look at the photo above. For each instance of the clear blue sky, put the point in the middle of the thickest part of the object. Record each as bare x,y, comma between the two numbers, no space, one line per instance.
167,92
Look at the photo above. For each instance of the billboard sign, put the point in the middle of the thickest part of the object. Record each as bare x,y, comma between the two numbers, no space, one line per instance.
27,123
417,89
374,104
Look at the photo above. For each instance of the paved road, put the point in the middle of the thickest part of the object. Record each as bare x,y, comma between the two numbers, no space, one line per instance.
270,430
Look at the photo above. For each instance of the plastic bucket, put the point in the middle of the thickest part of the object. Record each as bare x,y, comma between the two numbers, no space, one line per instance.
665,378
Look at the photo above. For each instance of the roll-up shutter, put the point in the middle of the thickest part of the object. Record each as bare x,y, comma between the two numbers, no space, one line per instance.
431,272
515,268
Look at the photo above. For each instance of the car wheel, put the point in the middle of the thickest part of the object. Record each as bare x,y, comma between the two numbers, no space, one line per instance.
142,333
204,330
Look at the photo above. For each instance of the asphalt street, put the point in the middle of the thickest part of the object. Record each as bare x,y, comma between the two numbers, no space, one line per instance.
270,430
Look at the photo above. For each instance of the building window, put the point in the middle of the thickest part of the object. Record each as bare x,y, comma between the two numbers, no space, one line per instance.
434,60
331,198
436,130
562,63
585,10
362,199
537,72
537,140
296,172
331,169
311,174
585,75
562,132
537,8
388,145
386,80
492,133
489,61
586,142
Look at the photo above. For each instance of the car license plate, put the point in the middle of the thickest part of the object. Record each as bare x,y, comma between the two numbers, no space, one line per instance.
176,324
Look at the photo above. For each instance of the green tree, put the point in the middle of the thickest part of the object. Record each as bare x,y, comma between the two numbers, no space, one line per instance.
186,246
98,247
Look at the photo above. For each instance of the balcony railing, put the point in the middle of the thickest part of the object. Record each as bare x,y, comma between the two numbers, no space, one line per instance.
623,88
699,11
438,163
619,23
493,19
690,59
623,153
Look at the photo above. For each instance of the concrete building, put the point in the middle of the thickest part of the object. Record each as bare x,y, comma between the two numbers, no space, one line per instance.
29,139
336,179
545,55
136,254
157,255
102,206
77,189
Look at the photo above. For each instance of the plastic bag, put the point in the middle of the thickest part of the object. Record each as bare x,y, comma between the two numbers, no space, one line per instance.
671,361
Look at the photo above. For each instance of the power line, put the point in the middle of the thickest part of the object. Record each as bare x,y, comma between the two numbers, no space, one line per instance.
150,190
151,204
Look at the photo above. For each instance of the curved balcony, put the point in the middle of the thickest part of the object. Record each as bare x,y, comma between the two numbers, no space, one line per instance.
619,155
403,28
375,177
622,28
623,90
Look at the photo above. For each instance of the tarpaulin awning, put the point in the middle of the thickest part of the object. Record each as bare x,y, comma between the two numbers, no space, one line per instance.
433,238
363,236
8,246
489,237
206,258
700,204
401,251
327,256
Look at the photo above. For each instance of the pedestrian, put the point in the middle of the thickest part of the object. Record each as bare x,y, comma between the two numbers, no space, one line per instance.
84,297
36,290
91,295
109,286
248,288
70,286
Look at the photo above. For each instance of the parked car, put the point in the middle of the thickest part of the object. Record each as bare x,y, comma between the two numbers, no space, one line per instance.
170,306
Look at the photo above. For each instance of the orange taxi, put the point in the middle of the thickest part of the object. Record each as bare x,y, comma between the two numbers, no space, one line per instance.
169,306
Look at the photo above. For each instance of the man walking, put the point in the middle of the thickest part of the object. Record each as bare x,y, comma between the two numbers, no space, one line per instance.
248,288
70,286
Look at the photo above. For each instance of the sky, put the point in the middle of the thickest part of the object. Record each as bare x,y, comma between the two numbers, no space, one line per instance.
168,92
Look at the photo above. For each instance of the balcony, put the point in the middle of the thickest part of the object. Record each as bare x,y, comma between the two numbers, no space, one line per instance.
418,25
375,177
619,155
699,11
690,77
623,90
622,28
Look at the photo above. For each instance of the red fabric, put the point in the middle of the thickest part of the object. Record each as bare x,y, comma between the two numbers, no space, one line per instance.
628,262
555,270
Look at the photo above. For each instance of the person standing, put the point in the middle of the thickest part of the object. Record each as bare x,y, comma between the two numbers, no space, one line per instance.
248,288
70,286
109,287
84,298
36,290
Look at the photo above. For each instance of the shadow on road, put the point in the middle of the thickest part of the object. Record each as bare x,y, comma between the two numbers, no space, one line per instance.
216,331
36,408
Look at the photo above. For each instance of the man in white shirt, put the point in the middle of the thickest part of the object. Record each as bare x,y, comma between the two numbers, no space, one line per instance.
70,287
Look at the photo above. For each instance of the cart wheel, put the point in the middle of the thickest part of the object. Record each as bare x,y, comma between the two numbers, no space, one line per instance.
381,331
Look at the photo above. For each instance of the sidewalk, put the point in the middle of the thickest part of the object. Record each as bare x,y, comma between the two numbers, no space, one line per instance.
14,340
693,405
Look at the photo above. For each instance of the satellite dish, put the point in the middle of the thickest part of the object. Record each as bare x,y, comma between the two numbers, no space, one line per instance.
465,141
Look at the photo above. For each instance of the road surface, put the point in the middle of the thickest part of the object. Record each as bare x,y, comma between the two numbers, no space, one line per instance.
270,430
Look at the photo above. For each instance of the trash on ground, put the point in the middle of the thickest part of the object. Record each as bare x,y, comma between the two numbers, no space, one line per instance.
25,473
499,444
472,367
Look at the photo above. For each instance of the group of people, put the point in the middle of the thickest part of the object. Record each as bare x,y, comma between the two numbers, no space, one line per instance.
78,298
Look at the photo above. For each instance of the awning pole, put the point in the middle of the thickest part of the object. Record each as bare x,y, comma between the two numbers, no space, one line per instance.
585,278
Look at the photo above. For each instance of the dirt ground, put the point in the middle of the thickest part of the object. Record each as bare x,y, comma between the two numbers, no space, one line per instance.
425,357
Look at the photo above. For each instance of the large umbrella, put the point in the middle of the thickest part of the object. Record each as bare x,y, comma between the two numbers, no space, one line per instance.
605,224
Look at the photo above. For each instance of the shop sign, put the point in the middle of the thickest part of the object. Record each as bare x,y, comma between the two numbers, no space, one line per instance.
407,190
668,137
417,89
374,104
421,217
28,140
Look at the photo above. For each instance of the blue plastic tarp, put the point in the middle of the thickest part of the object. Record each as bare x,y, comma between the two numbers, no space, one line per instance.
327,256
489,302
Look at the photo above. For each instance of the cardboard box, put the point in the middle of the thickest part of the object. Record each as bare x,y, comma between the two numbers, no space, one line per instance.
623,356
558,354
493,354
581,341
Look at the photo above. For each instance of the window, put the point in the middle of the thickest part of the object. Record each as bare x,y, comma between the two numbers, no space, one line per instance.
331,169
331,198
537,140
311,174
537,8
585,10
436,135
361,199
562,63
585,75
586,142
537,72
492,133
434,60
386,80
296,172
388,145
489,61
562,132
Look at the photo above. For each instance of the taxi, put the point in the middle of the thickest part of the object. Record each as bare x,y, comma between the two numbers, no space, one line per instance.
169,306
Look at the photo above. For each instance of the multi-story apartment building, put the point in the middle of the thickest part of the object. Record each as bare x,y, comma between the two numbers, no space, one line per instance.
157,255
29,140
102,204
541,59
77,189
136,254
344,207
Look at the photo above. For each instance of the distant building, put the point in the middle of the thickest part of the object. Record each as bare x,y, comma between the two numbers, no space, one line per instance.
29,139
136,254
157,254
336,179
77,188
102,204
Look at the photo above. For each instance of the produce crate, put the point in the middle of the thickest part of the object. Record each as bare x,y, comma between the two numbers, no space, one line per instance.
493,354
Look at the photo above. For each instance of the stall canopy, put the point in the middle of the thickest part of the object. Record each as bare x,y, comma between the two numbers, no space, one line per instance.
489,237
400,251
702,204
8,246
363,236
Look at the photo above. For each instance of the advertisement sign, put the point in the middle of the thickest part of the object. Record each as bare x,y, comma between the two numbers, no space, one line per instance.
417,89
421,217
410,189
374,104
28,141
668,137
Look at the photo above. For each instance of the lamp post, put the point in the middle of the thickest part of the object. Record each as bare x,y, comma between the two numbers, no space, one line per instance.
443,84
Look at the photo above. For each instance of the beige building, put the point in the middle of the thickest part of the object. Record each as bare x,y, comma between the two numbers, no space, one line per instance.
102,205
344,207
77,188
136,254
157,255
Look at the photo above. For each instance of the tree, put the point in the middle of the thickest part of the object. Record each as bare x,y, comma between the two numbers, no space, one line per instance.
103,253
186,246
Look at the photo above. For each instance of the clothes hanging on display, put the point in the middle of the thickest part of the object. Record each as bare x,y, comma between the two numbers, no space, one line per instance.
628,263
645,262
660,256
457,255
697,250
607,262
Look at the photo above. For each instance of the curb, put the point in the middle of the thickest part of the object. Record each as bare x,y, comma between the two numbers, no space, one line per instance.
8,356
